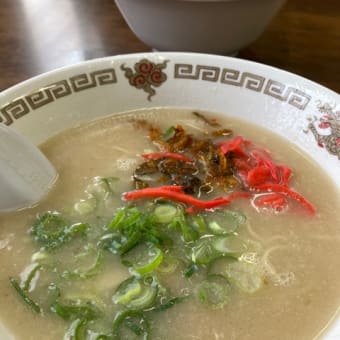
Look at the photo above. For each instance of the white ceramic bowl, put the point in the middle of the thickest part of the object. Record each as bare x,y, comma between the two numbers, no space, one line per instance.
210,26
287,104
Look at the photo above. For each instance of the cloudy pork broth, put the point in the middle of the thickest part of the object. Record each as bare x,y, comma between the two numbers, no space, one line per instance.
114,252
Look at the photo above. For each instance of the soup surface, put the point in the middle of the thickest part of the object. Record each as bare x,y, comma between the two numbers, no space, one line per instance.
71,266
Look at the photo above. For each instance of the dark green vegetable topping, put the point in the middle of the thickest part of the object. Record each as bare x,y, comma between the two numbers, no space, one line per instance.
155,240
74,310
24,295
51,230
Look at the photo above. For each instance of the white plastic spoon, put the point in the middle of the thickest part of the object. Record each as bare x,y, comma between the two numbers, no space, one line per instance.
25,173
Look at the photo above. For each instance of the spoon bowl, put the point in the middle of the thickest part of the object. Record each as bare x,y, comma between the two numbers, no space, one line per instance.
26,175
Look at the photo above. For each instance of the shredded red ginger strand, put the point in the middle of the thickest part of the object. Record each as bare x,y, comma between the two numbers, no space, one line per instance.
175,193
260,174
260,178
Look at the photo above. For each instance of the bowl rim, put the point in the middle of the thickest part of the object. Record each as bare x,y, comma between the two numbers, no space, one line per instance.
162,54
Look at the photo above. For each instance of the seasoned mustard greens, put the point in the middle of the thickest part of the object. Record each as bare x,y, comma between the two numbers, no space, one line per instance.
51,230
154,240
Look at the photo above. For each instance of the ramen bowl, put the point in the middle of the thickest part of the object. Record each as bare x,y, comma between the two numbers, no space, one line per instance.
302,113
210,26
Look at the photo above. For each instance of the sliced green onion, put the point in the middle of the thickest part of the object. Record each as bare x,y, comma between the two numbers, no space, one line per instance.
129,227
213,291
146,266
118,243
23,294
225,221
30,276
165,213
157,237
188,233
199,224
76,330
100,337
123,321
131,242
248,277
75,310
39,256
85,206
203,251
133,216
89,272
99,194
111,182
76,228
229,245
219,265
144,258
169,303
110,242
127,291
168,265
136,294
145,300
101,186
117,219
53,291
215,228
